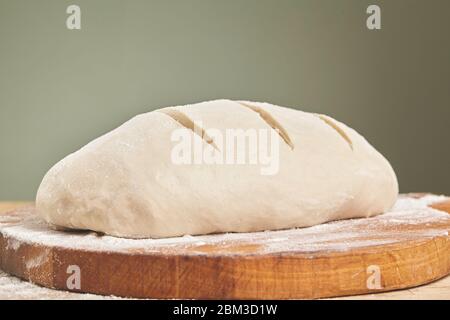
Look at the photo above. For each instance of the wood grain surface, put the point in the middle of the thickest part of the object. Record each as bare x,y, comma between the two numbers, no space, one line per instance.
241,271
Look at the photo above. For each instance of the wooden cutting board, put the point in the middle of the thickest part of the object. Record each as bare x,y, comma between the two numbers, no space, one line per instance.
406,247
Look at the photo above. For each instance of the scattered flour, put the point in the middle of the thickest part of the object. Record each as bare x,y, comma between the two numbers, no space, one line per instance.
13,244
332,236
14,288
37,261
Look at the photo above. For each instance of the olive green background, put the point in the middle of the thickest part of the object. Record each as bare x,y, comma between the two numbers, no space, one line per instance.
60,89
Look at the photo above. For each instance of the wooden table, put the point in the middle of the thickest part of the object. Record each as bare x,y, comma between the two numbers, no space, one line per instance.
23,290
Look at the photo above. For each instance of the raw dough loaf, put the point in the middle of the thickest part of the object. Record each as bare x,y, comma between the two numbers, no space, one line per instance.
125,184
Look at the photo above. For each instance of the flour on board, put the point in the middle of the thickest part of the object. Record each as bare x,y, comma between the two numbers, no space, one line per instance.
333,236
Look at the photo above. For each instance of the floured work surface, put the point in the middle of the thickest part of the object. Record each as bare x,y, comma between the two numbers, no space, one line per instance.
406,247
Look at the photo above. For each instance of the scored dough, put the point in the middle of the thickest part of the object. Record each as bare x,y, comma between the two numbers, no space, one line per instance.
126,184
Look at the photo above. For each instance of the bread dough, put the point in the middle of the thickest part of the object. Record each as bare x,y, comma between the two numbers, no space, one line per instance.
127,184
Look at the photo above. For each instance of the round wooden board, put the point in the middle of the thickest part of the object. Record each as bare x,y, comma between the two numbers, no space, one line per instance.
406,247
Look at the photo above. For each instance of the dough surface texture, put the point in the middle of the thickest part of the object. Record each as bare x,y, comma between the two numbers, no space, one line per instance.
126,183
